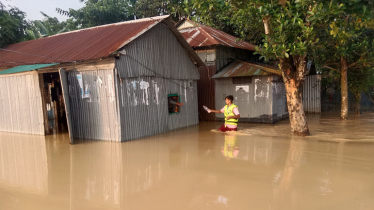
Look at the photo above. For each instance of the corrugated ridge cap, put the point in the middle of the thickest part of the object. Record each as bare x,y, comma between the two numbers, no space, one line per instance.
160,18
157,18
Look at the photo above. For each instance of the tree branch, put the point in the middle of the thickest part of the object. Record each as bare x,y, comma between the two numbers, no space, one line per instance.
328,67
352,64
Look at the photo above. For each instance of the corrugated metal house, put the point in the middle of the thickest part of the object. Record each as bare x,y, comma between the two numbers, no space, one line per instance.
116,81
236,66
258,91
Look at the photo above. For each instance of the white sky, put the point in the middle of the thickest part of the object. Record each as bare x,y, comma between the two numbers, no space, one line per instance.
33,7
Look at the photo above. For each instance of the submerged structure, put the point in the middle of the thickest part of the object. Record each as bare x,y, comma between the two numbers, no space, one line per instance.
112,82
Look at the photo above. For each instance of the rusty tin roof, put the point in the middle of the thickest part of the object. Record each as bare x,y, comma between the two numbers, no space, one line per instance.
245,69
85,44
202,35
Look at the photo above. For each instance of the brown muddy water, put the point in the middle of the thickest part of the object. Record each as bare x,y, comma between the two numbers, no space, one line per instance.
260,167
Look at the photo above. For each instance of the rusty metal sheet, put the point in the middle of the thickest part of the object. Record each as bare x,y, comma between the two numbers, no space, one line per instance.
85,44
245,69
206,90
203,35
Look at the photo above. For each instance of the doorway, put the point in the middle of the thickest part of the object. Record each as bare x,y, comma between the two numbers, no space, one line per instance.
55,103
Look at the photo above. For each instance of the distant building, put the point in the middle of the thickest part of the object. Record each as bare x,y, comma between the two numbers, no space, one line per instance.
116,81
232,69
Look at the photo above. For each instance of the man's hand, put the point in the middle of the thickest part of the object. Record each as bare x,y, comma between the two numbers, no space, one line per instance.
228,117
209,111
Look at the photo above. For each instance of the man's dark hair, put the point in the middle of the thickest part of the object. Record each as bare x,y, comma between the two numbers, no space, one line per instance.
230,97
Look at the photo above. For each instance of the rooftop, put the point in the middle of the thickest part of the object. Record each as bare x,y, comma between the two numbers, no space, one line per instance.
201,35
85,44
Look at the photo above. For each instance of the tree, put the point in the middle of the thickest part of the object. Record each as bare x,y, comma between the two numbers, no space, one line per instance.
360,80
347,45
12,25
46,27
288,35
100,12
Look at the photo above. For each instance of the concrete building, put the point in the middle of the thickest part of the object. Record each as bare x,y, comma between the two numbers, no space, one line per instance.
117,81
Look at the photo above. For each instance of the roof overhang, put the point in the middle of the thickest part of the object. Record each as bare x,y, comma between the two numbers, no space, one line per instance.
245,69
24,68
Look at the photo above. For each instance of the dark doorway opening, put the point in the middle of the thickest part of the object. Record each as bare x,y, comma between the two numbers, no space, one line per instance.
55,103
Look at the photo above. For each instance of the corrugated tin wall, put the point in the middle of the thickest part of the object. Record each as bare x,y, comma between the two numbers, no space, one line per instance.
94,117
312,94
254,98
156,53
21,104
151,67
279,98
144,106
206,92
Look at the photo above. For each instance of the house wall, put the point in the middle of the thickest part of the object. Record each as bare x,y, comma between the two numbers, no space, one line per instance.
312,94
279,98
151,67
254,98
214,60
156,53
206,92
144,106
94,117
21,104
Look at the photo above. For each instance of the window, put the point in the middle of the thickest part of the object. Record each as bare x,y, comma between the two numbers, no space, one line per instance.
173,103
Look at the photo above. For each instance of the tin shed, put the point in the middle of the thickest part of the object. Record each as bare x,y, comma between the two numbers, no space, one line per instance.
118,80
217,49
258,91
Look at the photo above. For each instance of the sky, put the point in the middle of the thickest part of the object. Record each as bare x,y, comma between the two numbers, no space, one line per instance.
33,7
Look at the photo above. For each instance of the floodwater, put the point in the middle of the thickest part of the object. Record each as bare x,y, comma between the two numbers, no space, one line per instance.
259,167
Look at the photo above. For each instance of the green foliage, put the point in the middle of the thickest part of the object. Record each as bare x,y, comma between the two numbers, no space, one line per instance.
46,27
12,25
349,36
99,12
293,26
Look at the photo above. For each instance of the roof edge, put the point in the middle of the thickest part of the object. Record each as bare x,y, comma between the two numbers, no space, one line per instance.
118,23
191,52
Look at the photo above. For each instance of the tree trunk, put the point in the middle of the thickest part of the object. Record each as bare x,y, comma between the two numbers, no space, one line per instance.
344,89
357,102
293,77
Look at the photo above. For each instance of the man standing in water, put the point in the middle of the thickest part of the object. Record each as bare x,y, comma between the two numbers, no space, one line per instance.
231,115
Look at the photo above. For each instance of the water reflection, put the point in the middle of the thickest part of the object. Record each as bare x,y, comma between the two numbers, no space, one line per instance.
230,149
23,161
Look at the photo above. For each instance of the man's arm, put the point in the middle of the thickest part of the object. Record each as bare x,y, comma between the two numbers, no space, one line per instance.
214,111
175,103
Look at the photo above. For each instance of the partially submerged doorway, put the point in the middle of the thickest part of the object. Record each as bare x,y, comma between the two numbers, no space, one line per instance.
55,104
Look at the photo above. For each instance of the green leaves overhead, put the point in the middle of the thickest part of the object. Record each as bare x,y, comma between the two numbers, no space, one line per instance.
12,25
100,12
